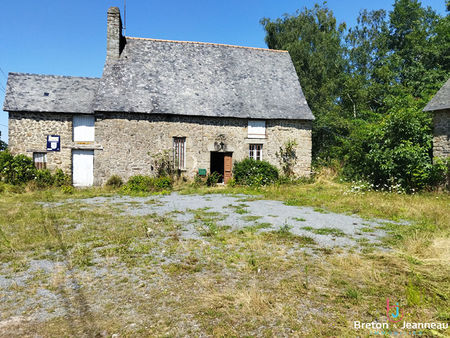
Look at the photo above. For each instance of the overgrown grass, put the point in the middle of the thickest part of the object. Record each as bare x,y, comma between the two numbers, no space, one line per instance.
229,283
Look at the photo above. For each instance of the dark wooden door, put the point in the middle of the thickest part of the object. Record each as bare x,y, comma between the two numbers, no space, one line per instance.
227,166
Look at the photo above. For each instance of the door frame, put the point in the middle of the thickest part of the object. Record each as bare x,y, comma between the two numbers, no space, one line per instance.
221,156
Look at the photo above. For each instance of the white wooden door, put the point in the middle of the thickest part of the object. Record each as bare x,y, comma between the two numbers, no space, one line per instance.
83,168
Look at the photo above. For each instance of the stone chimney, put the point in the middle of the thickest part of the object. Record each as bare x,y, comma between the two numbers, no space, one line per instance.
114,39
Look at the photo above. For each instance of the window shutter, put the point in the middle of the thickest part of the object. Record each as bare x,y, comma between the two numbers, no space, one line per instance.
256,129
40,160
83,128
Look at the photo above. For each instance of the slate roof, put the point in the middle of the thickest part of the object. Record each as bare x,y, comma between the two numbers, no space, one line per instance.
49,93
173,77
441,100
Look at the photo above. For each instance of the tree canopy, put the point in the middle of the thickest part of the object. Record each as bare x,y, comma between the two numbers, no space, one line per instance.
367,86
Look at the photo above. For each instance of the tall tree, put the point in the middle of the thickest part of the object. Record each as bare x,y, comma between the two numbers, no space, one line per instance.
379,75
313,39
368,77
417,42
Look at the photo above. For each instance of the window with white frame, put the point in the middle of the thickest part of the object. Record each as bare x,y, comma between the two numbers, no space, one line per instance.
179,152
40,160
83,128
256,129
255,151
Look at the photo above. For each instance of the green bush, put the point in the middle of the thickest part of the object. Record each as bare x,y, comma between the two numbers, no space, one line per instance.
163,164
44,178
19,170
254,173
67,189
61,179
287,157
212,179
198,181
140,183
393,152
5,162
163,183
231,182
114,181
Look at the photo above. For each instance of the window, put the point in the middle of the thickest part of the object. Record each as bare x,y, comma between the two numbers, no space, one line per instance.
255,151
83,128
40,160
179,152
256,129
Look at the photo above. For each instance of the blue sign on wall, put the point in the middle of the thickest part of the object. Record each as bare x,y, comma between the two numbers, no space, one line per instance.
53,143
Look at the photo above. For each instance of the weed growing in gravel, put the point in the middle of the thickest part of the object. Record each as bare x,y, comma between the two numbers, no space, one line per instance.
285,230
239,209
255,227
251,218
321,210
326,231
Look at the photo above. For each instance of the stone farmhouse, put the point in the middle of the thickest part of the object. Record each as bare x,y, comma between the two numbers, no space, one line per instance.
205,104
439,105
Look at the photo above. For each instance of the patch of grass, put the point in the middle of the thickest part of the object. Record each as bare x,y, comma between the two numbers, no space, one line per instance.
82,256
190,264
299,219
208,229
240,208
19,265
256,227
321,210
151,201
286,235
326,231
263,225
251,218
203,215
414,295
352,294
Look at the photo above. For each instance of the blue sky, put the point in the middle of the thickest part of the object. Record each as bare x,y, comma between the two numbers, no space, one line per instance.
69,37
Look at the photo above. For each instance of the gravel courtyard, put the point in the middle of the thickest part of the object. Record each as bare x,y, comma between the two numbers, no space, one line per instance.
160,265
236,212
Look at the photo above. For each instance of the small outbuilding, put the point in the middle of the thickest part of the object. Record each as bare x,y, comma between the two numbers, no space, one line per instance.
439,105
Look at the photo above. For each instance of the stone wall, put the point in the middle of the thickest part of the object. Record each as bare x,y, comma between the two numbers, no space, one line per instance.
28,133
125,144
441,133
129,144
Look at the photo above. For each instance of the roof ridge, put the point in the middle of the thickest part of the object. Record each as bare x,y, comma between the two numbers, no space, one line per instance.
53,75
209,43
